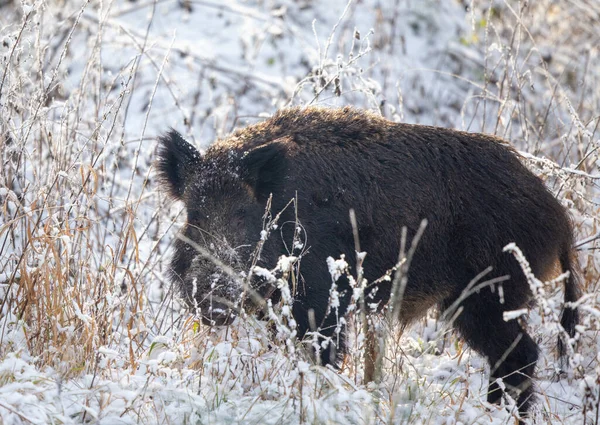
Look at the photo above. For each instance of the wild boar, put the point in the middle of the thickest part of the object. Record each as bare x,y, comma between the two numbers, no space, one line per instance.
474,192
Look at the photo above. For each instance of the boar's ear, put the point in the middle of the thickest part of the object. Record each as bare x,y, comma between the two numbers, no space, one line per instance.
177,162
264,168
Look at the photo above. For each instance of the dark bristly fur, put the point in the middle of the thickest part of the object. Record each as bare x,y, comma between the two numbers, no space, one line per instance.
177,161
472,189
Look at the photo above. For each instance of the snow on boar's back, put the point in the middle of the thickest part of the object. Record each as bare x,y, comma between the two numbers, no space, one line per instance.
474,192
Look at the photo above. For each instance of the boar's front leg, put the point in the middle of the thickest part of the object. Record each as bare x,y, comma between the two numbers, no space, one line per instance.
316,311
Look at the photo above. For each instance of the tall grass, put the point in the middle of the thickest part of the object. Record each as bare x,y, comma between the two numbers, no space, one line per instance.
89,327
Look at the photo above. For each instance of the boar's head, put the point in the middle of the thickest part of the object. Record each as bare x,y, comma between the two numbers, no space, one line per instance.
224,193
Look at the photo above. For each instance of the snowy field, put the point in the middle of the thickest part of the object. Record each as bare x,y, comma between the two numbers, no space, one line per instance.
91,331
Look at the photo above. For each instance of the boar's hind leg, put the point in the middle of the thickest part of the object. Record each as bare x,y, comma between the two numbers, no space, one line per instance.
510,351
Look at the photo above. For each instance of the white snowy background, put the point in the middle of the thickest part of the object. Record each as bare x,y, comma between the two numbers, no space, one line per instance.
91,331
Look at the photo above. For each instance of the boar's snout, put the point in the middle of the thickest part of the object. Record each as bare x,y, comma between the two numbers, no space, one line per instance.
217,314
213,293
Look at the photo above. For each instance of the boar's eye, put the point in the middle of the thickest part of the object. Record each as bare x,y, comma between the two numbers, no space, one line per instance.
240,213
239,217
197,218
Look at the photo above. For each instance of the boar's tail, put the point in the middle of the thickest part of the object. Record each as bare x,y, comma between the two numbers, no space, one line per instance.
570,316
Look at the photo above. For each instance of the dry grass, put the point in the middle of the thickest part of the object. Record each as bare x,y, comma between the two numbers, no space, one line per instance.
83,232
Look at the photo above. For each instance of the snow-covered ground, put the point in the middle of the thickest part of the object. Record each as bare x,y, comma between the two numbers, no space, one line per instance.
90,330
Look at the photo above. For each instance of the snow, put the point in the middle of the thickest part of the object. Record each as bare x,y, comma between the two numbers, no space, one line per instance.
337,267
90,329
264,273
515,314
